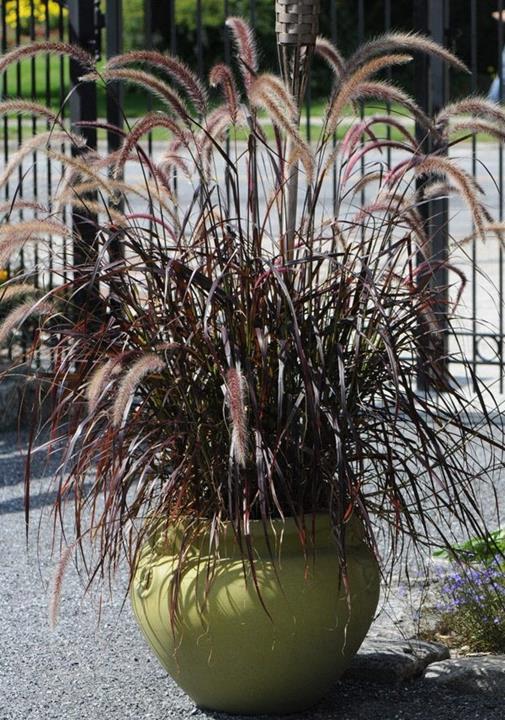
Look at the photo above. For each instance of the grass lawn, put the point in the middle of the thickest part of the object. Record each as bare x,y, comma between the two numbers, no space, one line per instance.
40,78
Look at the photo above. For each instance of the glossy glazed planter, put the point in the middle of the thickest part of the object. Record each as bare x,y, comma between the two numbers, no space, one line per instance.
224,650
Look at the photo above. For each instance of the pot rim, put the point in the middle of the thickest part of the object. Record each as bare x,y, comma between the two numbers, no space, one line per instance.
282,534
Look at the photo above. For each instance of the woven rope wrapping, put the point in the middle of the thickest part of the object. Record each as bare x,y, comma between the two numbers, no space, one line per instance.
297,21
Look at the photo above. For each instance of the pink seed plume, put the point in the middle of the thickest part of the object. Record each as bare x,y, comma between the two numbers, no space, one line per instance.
246,47
235,386
21,313
221,75
146,365
98,380
53,48
173,67
54,604
325,49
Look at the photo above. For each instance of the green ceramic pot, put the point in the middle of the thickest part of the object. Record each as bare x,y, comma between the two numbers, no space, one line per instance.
228,652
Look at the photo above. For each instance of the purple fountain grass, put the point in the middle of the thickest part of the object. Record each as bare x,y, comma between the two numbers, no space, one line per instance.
144,126
221,75
280,115
8,293
277,90
223,373
173,67
235,384
37,142
145,365
10,206
99,380
329,52
54,48
30,107
477,126
246,48
21,313
159,89
61,568
400,42
15,236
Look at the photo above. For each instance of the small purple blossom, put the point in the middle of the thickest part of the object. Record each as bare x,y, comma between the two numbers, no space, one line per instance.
472,603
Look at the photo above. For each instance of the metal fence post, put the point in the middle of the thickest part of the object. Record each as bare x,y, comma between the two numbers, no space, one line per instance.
83,107
431,92
115,102
115,90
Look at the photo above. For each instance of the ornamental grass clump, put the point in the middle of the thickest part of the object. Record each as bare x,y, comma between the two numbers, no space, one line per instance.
207,364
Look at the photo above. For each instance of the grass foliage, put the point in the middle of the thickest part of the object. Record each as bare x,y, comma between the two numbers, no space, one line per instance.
207,362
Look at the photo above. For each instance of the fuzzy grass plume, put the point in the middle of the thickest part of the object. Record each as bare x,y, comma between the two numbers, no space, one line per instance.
145,365
236,405
20,314
59,575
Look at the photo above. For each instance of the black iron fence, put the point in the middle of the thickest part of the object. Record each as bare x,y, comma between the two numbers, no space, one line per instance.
194,29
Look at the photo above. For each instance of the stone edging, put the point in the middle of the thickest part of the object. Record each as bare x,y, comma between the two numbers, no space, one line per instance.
395,661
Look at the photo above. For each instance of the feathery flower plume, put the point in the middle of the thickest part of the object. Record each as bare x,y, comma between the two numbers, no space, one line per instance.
149,82
13,237
495,228
263,100
54,48
384,91
401,42
87,166
474,126
214,127
54,604
353,82
235,385
12,292
438,166
147,364
354,134
246,48
438,190
479,107
36,142
172,158
21,313
360,153
399,208
221,75
277,90
29,107
13,205
173,67
143,126
79,201
327,50
98,380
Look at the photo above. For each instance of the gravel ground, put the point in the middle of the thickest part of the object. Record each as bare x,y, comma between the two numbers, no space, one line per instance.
85,671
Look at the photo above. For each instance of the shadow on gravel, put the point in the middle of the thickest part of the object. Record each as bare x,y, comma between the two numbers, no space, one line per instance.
13,456
36,502
416,700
